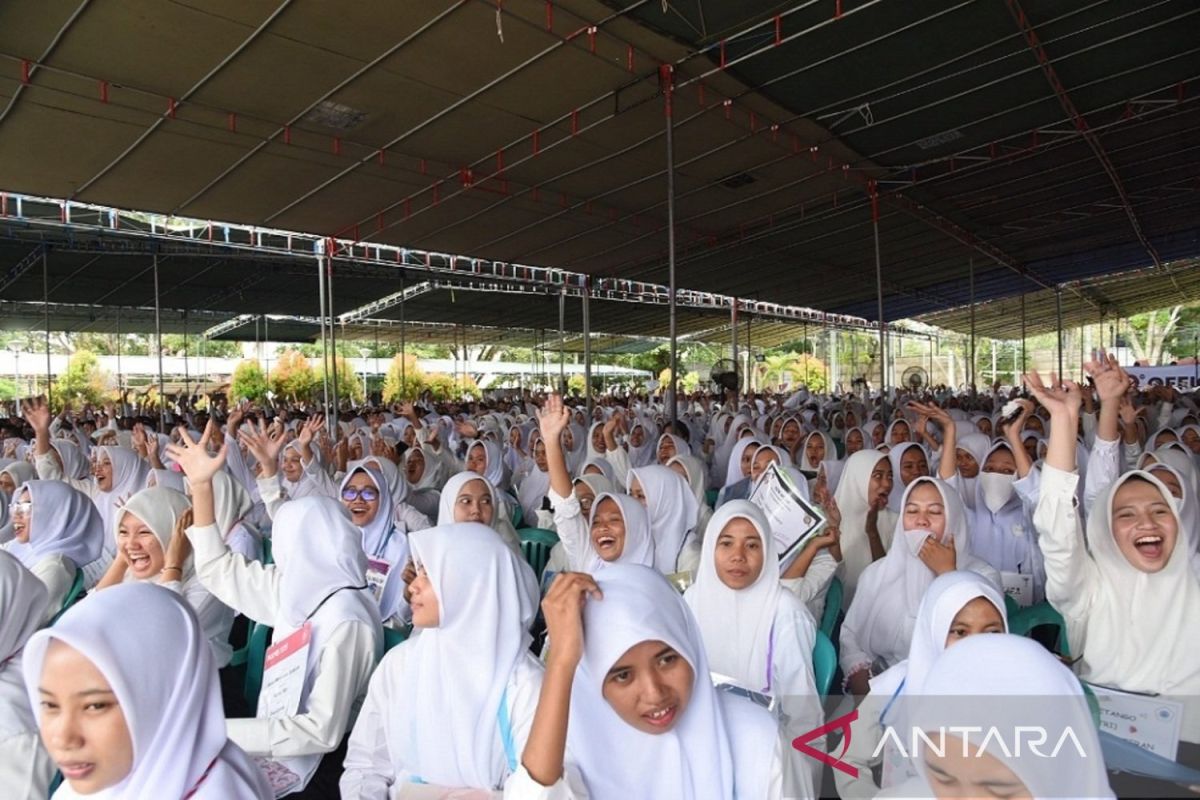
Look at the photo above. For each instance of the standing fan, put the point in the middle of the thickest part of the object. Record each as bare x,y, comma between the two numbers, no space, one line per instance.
724,374
915,379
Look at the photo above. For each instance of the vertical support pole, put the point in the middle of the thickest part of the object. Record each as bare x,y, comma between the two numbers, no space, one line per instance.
587,348
120,375
46,312
162,395
971,372
733,326
562,340
1024,366
668,80
403,346
324,339
749,358
333,373
879,300
831,365
187,383
1058,313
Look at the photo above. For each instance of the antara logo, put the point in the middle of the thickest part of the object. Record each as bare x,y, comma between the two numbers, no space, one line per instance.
842,723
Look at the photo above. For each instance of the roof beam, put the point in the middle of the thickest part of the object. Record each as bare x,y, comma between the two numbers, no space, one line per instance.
22,266
1093,141
35,66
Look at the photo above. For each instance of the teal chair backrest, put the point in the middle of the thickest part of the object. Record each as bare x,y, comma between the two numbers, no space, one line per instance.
1025,620
1011,607
537,535
516,516
256,656
266,547
537,555
833,607
824,664
711,496
73,595
393,637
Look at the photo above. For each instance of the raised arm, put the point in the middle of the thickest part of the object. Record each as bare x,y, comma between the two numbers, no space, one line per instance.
1012,435
553,418
37,414
1062,399
948,464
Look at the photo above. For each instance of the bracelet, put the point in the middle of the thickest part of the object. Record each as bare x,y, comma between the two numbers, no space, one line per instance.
176,569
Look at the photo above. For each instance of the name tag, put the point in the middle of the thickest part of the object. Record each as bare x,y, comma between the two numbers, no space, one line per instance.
282,780
377,573
1151,723
1019,587
283,677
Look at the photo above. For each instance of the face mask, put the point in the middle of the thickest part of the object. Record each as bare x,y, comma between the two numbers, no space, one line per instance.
997,489
915,539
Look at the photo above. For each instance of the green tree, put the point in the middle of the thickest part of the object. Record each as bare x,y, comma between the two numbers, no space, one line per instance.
292,377
8,389
349,382
414,379
82,382
689,383
792,369
249,382
446,387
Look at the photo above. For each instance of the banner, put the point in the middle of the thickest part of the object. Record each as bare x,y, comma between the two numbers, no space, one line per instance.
1182,376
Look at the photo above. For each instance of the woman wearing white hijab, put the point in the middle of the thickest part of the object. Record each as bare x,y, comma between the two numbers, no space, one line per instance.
1134,566
469,497
571,518
628,709
385,541
737,473
1016,688
867,524
426,475
930,539
691,469
600,466
672,509
316,582
15,473
909,462
150,723
151,547
817,447
452,706
485,458
638,450
535,483
233,509
956,605
57,531
25,766
755,632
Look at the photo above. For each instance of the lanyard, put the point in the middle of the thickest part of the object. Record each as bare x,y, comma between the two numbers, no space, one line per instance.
379,551
506,737
203,777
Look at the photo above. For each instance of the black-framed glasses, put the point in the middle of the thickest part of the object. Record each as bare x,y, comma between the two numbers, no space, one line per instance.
368,493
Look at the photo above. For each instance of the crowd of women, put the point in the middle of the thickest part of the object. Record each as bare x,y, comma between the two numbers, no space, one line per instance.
666,650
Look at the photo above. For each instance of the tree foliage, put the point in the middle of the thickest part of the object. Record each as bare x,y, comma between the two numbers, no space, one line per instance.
82,382
393,389
1169,334
249,382
292,377
788,370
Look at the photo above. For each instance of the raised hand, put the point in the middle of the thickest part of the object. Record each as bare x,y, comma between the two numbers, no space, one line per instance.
553,419
193,457
309,429
37,413
1111,381
179,548
941,558
1060,398
263,445
563,610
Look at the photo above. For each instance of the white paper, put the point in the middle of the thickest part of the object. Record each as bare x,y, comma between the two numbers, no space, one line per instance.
792,518
283,678
1019,587
1151,723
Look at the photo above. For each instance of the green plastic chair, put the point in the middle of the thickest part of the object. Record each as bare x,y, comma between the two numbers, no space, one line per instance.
73,595
1011,607
711,496
266,546
1025,620
537,555
260,637
516,516
833,607
824,664
537,535
393,637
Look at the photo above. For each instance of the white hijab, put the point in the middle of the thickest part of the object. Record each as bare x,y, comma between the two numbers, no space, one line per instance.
434,475
672,509
128,477
174,753
895,455
891,589
703,755
63,520
397,484
733,468
737,624
456,675
802,461
639,546
1138,631
160,509
533,489
1014,686
852,501
643,454
23,599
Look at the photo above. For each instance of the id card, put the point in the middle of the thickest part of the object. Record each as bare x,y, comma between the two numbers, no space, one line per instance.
377,574
1152,723
1019,587
283,676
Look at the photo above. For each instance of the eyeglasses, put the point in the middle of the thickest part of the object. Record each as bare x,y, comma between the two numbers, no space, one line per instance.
20,508
368,493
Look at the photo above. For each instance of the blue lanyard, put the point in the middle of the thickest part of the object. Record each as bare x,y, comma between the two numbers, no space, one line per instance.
379,551
506,736
888,707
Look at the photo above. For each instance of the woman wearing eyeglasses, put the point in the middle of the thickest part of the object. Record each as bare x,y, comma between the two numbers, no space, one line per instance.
372,508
